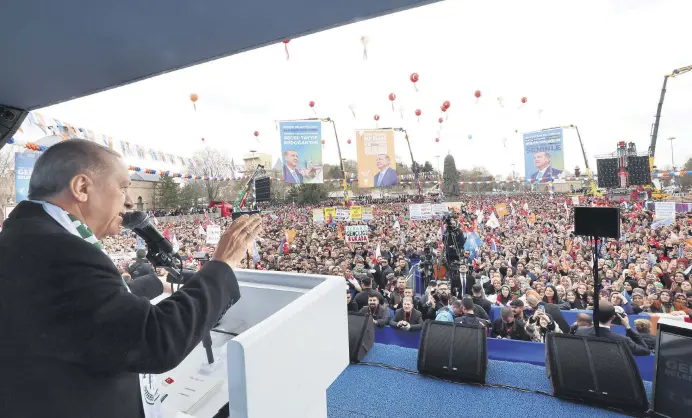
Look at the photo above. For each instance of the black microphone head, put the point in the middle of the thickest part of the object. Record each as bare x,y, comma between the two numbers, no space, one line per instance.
132,220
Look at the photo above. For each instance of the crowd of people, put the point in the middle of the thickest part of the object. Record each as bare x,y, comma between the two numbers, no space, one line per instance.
529,262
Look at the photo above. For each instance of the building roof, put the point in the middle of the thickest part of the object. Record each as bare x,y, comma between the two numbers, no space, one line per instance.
139,176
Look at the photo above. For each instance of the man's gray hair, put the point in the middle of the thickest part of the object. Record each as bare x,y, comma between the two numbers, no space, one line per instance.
60,163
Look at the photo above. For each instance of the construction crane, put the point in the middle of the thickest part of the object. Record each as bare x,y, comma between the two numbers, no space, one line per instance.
240,200
654,131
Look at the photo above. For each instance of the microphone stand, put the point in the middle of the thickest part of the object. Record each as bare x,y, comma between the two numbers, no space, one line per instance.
597,288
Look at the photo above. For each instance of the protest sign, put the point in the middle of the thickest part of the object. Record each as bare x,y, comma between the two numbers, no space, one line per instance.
356,233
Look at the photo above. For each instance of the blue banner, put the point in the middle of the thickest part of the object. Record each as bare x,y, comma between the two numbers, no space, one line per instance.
544,158
23,167
301,152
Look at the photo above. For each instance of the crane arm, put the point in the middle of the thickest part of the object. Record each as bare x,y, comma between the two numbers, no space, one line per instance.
654,132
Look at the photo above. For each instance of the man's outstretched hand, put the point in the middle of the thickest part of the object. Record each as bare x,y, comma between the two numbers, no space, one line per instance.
234,242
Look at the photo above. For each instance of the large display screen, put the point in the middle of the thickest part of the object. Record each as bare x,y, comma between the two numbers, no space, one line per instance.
673,381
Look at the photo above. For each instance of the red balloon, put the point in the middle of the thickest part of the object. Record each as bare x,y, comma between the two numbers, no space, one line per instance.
311,104
443,108
256,133
286,41
437,139
477,94
348,142
377,117
418,112
392,96
446,104
414,77
524,99
440,120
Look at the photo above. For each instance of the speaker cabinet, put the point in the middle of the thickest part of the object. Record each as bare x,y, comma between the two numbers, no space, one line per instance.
453,351
361,335
594,370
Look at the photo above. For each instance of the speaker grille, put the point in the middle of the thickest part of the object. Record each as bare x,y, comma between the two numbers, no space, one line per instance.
263,189
595,369
361,335
453,351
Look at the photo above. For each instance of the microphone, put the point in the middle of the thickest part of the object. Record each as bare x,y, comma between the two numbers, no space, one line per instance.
159,250
140,224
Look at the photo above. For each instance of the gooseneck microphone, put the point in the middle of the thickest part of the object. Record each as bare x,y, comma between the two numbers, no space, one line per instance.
159,250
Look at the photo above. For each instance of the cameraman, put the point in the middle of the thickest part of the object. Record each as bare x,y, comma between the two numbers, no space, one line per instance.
608,316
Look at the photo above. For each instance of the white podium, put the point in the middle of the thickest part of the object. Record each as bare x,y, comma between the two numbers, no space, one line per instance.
292,343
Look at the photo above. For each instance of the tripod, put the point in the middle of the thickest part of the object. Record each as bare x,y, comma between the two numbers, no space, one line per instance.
450,242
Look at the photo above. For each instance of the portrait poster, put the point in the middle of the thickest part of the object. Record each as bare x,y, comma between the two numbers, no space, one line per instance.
376,158
301,152
544,158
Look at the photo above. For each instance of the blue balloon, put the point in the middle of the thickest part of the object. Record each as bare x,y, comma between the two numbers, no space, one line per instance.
470,136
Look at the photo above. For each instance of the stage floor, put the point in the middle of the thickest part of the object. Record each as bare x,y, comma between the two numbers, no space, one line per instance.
369,391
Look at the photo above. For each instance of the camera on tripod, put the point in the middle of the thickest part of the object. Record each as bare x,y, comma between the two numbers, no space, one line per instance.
202,257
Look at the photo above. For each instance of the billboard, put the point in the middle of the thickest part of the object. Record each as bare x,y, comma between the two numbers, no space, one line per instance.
376,159
544,158
23,167
301,151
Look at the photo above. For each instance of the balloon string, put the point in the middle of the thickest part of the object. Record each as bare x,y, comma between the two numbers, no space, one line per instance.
365,53
393,106
313,111
415,87
353,112
194,106
287,55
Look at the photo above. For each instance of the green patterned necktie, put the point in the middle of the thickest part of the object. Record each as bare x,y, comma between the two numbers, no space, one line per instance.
85,232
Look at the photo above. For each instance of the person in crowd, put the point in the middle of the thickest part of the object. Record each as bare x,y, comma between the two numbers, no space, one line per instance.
441,298
351,305
509,328
583,320
468,316
607,315
479,299
504,296
552,311
397,295
367,291
618,299
407,318
643,327
518,310
380,314
540,324
141,267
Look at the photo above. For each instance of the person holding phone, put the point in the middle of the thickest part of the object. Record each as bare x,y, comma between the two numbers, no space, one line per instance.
609,316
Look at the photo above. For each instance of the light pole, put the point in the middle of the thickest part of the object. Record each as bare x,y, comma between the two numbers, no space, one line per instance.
672,161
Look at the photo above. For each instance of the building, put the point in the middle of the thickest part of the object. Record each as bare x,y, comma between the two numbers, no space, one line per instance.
143,190
253,159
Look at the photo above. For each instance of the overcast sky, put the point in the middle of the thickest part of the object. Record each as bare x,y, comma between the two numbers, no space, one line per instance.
596,64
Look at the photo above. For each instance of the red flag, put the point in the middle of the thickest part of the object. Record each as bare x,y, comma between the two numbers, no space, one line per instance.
167,234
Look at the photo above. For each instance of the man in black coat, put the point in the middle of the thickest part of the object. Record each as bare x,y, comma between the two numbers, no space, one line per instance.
75,337
606,317
407,318
141,267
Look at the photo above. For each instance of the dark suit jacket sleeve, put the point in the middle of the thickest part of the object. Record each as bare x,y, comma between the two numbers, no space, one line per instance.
398,316
148,286
91,320
636,344
384,317
416,321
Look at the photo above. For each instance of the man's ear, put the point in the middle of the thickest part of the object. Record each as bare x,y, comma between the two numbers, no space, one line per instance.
79,186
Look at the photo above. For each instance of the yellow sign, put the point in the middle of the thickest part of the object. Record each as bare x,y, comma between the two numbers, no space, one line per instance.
290,235
376,159
329,212
501,209
356,212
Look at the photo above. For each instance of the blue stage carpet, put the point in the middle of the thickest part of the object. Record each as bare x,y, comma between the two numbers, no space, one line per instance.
368,391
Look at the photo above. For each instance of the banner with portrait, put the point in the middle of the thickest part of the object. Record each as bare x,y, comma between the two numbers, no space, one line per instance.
301,151
23,167
376,158
544,158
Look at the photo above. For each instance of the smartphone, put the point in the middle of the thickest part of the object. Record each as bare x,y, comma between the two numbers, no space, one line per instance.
541,308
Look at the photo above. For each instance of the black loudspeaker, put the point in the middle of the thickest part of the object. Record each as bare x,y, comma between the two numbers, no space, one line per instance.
263,189
361,335
597,222
236,215
594,370
10,121
453,351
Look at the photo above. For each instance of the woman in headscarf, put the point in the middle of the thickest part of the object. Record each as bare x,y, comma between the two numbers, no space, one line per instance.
539,325
618,299
665,304
504,296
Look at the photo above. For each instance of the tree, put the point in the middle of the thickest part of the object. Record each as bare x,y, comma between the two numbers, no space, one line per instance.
310,193
168,193
427,167
187,196
686,181
212,163
450,178
332,171
7,194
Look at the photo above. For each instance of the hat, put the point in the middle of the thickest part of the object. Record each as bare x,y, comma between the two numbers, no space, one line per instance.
658,284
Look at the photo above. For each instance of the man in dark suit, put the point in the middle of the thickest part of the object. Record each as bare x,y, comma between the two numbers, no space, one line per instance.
141,267
607,315
291,174
545,172
407,318
75,336
380,314
387,175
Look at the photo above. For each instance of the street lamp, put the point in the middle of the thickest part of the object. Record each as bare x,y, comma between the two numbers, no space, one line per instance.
672,161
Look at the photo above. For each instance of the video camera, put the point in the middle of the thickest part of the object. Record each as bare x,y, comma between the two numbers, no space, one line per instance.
202,257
